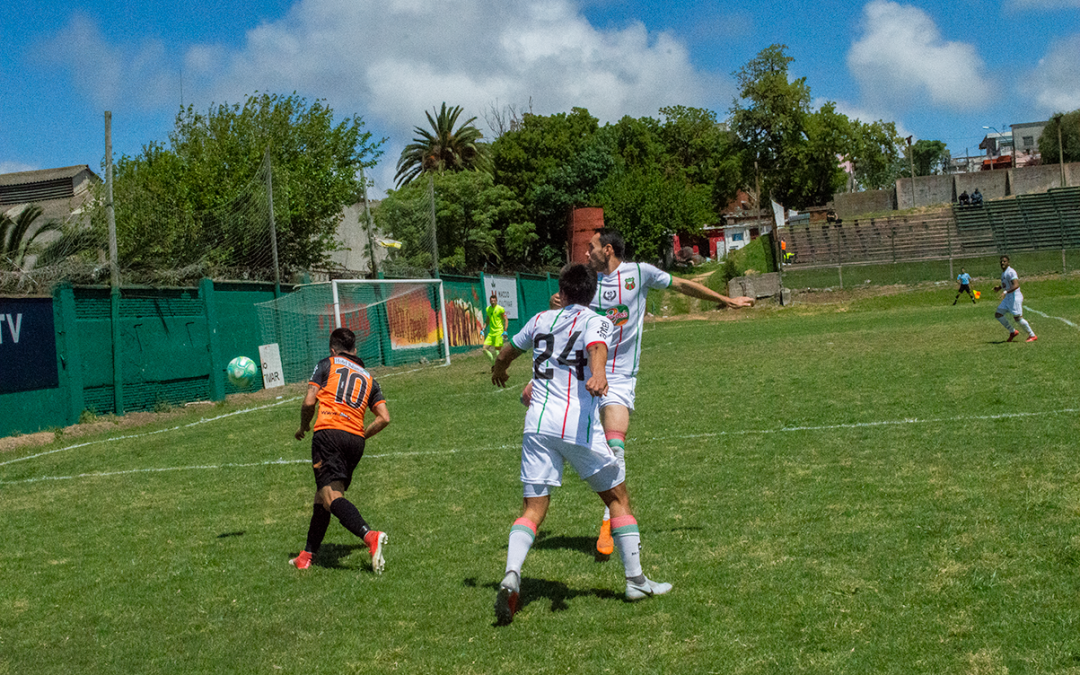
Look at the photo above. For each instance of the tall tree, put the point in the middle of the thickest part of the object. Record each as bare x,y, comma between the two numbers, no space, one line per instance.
1069,124
930,157
877,154
479,224
192,202
769,120
444,147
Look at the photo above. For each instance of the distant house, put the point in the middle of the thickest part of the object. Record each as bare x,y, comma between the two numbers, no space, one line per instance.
1026,142
740,223
61,193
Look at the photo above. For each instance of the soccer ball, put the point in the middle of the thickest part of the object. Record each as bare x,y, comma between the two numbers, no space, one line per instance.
242,371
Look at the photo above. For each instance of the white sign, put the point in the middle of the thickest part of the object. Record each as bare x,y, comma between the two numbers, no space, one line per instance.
506,290
271,366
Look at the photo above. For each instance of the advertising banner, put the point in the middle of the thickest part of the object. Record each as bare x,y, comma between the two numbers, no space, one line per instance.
506,289
27,345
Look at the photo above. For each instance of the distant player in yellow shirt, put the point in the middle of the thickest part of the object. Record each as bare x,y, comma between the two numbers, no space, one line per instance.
494,328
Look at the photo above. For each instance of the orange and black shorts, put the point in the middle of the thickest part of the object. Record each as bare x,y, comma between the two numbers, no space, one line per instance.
334,456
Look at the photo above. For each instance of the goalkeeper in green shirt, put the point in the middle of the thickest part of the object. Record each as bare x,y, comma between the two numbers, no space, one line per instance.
494,328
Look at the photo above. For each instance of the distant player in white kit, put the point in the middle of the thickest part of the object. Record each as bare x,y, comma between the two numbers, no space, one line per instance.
622,290
1012,303
569,347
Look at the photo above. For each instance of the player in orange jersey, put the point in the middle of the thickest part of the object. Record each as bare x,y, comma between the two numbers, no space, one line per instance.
343,391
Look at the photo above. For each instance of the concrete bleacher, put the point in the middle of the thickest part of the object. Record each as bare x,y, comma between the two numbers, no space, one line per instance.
1049,220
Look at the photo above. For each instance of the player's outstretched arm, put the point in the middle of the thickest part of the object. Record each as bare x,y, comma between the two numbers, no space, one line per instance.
597,383
307,411
382,420
696,290
509,352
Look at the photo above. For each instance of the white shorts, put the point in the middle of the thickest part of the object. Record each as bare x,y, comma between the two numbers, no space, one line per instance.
1012,303
620,391
542,460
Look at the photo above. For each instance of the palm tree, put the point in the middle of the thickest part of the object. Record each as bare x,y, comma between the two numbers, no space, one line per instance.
17,243
446,149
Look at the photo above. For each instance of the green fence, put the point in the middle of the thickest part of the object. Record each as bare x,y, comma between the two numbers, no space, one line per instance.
139,349
145,348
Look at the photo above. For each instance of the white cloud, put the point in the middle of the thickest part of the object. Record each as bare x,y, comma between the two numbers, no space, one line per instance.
15,167
392,60
395,59
1053,83
111,76
902,59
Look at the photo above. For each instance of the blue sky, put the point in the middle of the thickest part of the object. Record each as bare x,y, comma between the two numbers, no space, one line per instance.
940,70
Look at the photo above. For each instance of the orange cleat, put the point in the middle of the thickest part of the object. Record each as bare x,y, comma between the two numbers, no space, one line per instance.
605,545
302,561
1012,335
1033,338
376,542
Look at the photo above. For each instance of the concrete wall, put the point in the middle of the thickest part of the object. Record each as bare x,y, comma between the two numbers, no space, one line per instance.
932,190
928,190
352,233
991,184
1036,178
755,286
851,204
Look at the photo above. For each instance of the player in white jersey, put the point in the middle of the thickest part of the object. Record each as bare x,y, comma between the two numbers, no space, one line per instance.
1012,303
620,295
569,346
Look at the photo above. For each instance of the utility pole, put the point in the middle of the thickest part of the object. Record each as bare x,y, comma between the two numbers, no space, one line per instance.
911,163
367,221
273,226
1061,155
110,214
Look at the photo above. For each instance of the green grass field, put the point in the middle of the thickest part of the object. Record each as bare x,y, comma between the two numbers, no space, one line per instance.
876,487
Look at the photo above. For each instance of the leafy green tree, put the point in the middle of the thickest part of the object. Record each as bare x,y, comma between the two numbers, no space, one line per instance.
444,148
877,154
478,224
702,147
550,164
648,206
769,120
930,158
171,199
1069,123
829,135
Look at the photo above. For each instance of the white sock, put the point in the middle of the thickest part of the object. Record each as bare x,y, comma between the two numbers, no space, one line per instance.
1026,326
628,543
1004,321
522,535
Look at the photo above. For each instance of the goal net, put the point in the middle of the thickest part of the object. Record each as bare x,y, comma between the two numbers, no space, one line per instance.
396,322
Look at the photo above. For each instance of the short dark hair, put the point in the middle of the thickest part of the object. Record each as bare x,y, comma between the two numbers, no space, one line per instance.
343,340
609,235
577,284
1004,257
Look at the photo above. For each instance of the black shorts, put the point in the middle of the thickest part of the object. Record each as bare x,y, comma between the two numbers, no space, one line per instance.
964,288
334,456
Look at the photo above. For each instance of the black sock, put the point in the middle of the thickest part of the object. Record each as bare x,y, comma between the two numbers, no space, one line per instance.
320,520
349,516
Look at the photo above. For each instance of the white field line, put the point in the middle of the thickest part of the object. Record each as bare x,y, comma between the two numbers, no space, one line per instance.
395,455
1065,321
152,433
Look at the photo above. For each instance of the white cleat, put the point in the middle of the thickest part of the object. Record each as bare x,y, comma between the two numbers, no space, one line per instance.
636,592
378,559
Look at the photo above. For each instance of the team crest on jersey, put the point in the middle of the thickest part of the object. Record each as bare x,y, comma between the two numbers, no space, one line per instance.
609,295
618,315
630,283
